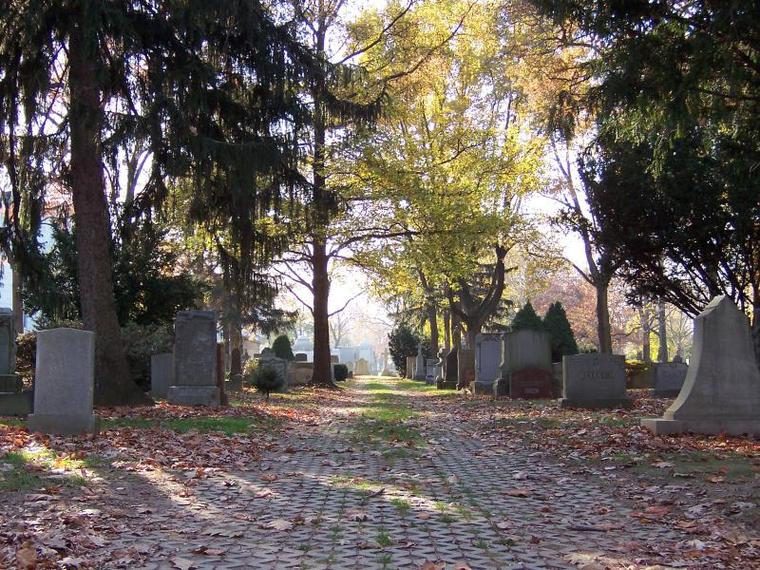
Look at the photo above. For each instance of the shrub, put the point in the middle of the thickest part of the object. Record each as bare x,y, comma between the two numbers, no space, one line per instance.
282,348
26,353
266,380
557,325
140,343
402,342
526,318
340,371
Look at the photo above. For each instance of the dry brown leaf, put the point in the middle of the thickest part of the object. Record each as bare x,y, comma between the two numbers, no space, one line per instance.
26,556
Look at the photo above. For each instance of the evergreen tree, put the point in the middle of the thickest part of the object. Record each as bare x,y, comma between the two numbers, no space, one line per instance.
282,348
563,339
526,318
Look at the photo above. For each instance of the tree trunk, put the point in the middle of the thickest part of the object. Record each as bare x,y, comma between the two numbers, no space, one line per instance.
321,284
236,351
646,331
756,322
603,328
18,305
662,333
447,330
432,315
113,385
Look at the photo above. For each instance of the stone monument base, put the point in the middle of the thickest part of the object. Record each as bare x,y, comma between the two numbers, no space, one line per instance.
482,388
730,426
63,424
10,383
595,404
194,395
447,385
17,403
500,388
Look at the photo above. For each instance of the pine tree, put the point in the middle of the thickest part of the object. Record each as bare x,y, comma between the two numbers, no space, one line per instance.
562,337
526,318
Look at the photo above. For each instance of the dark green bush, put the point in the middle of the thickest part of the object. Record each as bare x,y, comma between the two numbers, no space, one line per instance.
526,318
557,325
402,342
340,371
282,348
266,380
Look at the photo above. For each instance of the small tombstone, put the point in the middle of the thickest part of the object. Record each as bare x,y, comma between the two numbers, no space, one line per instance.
522,350
531,384
385,370
279,365
161,374
556,379
301,357
721,393
487,359
362,368
64,382
195,358
430,364
440,364
451,371
595,380
419,364
300,373
13,401
669,379
643,378
466,365
410,362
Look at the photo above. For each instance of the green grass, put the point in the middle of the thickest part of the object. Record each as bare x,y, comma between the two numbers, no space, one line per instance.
383,539
402,505
26,469
228,425
383,419
12,422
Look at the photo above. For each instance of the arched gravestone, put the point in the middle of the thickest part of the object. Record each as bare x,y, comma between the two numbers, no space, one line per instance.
721,393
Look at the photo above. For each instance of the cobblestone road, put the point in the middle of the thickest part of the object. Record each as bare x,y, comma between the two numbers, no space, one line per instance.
326,499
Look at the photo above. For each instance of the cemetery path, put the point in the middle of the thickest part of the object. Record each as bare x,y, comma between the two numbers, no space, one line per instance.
390,482
381,475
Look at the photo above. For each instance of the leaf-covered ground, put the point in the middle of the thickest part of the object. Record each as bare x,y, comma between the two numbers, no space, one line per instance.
384,473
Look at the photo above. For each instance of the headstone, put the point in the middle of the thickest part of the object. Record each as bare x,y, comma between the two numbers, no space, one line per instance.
531,384
301,357
419,364
334,359
440,364
14,401
64,382
195,381
430,364
643,378
300,373
451,371
487,360
279,365
721,393
669,379
385,371
362,368
522,350
595,380
466,368
410,362
161,374
556,379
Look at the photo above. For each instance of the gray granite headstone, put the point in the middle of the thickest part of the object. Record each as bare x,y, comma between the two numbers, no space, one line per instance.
161,374
594,380
195,374
721,393
64,382
13,401
451,371
362,368
487,360
301,357
410,362
419,365
522,350
279,365
430,364
669,378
